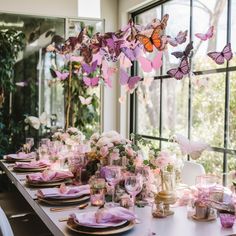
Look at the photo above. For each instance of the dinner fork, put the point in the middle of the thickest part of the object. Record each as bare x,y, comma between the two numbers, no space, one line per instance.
59,209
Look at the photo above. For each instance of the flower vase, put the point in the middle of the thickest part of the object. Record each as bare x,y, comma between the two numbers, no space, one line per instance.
166,196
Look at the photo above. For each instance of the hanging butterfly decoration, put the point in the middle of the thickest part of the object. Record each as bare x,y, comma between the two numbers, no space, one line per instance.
61,75
182,70
184,54
148,66
209,34
125,79
156,40
36,122
179,39
91,82
220,57
85,101
189,147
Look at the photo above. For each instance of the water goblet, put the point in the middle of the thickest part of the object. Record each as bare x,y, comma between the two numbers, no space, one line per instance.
133,185
112,176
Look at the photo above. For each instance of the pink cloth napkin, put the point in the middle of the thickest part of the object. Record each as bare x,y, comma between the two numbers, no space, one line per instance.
21,155
104,217
70,192
33,164
49,176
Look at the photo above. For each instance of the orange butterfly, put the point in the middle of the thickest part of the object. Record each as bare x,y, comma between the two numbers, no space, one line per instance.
155,40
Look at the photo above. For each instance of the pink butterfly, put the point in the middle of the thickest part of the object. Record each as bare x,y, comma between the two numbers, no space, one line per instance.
220,57
91,82
76,58
85,101
125,61
192,148
61,75
131,82
179,72
207,35
148,66
179,39
108,72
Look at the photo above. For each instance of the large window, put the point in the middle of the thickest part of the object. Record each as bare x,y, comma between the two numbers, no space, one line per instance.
202,106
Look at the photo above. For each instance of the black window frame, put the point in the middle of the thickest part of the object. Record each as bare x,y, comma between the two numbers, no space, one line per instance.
133,98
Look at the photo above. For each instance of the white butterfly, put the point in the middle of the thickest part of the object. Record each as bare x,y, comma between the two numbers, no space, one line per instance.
192,148
85,101
36,122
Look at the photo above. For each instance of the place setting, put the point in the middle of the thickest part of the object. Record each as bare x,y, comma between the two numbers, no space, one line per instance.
33,166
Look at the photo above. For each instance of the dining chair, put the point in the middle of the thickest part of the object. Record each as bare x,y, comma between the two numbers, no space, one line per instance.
190,171
5,227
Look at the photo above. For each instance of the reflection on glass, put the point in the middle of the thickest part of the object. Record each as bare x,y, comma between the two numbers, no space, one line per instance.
206,14
148,112
208,108
174,107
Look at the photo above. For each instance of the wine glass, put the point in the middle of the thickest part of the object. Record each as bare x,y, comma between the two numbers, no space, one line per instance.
29,143
112,176
133,185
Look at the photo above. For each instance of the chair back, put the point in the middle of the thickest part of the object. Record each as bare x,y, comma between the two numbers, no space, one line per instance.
5,227
190,171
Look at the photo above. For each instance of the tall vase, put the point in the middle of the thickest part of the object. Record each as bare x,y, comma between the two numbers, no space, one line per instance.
166,196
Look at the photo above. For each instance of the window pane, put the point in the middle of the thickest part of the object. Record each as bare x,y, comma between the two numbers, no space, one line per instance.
208,108
206,14
232,111
212,162
231,163
233,30
148,108
179,11
174,107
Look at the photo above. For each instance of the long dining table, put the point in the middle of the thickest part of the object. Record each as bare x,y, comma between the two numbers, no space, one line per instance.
175,225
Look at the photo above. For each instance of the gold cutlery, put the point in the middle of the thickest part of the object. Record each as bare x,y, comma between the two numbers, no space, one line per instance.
58,209
63,219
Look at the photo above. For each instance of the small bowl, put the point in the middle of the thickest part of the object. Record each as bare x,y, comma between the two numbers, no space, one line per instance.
227,220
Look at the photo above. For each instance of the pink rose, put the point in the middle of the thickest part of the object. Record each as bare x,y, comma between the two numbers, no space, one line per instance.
104,151
115,156
129,151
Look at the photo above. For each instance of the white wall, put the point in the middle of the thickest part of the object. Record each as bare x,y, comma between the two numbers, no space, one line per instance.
63,8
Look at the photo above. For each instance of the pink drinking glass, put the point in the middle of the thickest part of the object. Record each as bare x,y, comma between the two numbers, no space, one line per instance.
227,220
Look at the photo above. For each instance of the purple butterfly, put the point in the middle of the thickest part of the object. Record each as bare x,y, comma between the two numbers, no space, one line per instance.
179,39
109,57
185,53
61,75
91,82
126,80
220,57
182,70
89,69
114,45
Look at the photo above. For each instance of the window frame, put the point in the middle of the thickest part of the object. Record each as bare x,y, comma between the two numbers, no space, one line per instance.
133,98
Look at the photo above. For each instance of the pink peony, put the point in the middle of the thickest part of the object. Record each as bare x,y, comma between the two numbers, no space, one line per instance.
115,156
104,151
129,151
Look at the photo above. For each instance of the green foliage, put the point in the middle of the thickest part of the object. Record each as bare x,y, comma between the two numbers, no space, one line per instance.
11,43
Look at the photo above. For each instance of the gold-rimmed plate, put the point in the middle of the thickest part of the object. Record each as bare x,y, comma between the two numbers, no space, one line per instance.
48,184
97,231
59,202
19,169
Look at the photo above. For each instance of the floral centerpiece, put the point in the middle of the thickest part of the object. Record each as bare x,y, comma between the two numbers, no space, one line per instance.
111,148
72,136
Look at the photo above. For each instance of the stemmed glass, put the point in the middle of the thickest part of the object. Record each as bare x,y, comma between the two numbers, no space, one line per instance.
29,143
133,185
112,176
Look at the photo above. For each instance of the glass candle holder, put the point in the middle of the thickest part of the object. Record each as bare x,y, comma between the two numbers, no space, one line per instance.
97,192
227,220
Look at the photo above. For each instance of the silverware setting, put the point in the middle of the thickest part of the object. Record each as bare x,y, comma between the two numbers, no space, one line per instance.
59,209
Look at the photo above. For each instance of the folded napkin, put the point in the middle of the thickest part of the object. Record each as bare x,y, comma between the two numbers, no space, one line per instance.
104,217
32,165
21,155
49,176
65,192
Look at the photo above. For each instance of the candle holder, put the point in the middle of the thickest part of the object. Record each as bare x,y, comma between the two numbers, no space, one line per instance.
166,196
97,192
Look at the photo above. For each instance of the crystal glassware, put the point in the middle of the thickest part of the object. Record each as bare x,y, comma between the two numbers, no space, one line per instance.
97,192
29,143
227,220
112,176
133,185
